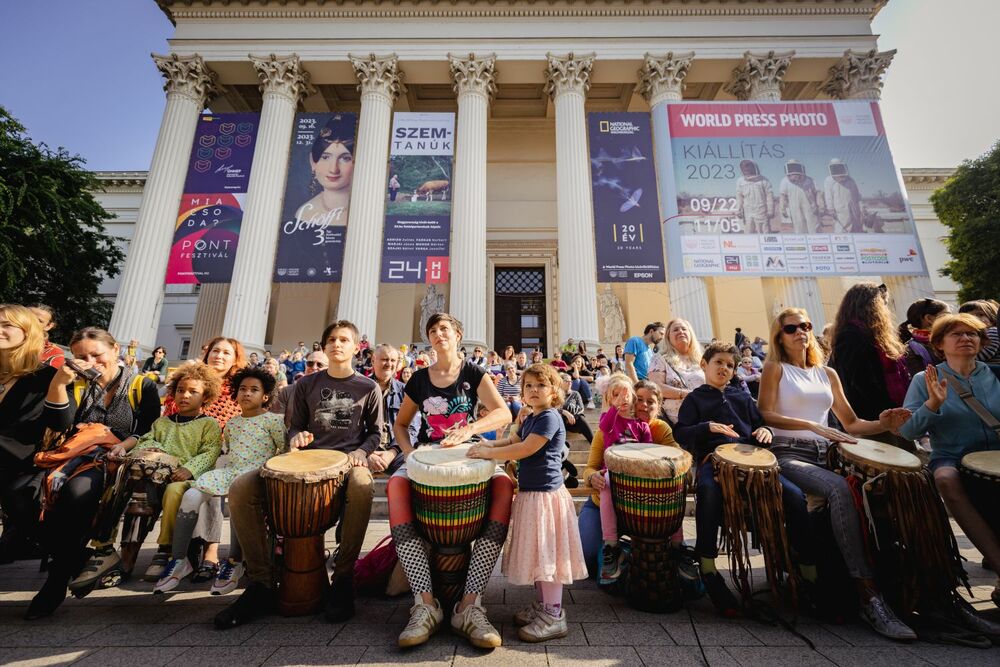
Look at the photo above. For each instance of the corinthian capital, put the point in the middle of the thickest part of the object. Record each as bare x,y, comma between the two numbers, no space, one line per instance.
663,78
858,75
188,76
379,74
474,75
282,75
568,73
759,76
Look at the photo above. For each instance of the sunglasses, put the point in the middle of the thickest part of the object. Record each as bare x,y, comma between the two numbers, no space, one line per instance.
315,364
792,328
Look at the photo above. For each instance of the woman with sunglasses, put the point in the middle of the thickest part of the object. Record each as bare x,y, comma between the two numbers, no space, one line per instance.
797,393
869,357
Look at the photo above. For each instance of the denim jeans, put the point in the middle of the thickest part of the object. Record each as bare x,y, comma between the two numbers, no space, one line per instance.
589,522
583,387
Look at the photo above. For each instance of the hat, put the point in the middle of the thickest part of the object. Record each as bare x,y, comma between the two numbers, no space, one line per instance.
749,168
837,168
795,167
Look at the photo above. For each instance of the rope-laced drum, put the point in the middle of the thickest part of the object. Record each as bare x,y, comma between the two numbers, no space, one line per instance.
450,500
916,553
649,493
303,502
981,477
751,494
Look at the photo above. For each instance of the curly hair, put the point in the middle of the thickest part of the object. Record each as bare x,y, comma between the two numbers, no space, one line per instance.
200,371
549,376
267,381
866,303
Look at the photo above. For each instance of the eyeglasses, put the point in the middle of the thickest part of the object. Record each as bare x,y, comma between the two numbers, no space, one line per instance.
964,334
315,364
792,328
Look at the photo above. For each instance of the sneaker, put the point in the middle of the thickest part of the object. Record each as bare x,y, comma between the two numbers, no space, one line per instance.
255,601
339,606
612,563
176,569
968,617
591,406
544,627
720,595
527,615
877,614
474,626
424,622
155,570
230,573
102,561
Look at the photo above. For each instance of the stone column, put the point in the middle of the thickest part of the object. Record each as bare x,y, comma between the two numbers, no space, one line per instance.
661,81
209,314
380,81
189,85
475,85
567,81
283,84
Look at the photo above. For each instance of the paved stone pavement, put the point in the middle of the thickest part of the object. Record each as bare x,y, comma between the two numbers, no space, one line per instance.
130,626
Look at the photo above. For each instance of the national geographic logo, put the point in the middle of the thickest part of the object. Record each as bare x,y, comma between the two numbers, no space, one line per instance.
617,127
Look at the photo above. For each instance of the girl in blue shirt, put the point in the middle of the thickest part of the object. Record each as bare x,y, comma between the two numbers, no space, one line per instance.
543,546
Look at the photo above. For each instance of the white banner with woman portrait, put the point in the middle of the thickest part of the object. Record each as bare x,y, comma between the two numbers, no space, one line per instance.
317,199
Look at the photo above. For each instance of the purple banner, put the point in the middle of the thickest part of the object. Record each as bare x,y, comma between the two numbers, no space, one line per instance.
222,153
317,199
626,213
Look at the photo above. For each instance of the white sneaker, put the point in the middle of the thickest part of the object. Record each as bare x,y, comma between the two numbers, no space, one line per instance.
544,627
230,573
157,567
424,622
527,615
591,406
176,569
475,626
877,614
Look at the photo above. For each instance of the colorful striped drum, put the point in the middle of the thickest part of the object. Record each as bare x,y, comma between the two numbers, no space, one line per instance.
647,487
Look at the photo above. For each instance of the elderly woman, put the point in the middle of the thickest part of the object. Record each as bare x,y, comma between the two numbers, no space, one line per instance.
797,394
677,371
956,429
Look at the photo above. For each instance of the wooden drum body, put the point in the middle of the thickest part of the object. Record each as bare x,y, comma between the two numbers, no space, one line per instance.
303,502
140,483
451,497
916,553
648,488
752,503
981,477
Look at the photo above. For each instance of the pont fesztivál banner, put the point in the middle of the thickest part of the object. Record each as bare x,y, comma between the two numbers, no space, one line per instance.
417,234
211,211
317,199
626,213
806,189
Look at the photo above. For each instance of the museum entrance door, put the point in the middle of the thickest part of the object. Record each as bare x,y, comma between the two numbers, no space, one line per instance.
519,309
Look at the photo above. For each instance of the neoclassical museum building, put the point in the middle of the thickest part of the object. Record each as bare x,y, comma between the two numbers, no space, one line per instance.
520,77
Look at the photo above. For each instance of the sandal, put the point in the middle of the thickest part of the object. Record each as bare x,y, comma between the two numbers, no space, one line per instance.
207,571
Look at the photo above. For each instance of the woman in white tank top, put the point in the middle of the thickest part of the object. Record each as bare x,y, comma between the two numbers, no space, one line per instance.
797,393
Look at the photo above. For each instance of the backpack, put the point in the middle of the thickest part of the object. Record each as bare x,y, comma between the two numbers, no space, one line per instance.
134,391
372,571
921,352
79,451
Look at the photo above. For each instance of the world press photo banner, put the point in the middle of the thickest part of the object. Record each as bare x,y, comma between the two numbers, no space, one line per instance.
317,199
798,189
417,233
211,211
626,213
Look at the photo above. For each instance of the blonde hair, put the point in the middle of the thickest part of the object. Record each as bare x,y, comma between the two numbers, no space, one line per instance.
616,381
866,303
668,350
776,351
23,359
200,371
548,376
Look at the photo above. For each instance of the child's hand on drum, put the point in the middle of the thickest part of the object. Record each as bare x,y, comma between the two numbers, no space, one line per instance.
724,429
301,439
478,451
181,475
763,435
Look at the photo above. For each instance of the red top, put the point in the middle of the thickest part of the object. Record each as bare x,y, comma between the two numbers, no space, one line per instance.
52,355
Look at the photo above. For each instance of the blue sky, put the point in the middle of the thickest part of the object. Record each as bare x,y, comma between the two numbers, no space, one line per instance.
78,74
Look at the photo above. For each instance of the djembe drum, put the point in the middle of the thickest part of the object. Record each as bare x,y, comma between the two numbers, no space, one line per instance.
450,499
303,502
752,503
140,483
981,477
914,545
649,493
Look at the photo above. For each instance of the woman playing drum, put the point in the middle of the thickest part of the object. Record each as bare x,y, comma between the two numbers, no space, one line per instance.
445,394
797,393
955,428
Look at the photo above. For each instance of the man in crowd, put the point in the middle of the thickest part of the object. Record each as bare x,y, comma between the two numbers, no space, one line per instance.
389,455
639,350
315,362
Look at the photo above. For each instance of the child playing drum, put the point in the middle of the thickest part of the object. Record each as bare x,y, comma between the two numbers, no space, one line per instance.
543,546
714,414
194,438
250,440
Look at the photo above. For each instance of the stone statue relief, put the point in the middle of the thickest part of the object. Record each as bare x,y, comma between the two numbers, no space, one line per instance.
612,316
433,302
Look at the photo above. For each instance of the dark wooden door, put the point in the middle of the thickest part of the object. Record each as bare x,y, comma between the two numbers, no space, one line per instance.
519,309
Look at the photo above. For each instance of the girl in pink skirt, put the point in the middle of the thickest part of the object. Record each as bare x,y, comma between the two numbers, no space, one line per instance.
543,545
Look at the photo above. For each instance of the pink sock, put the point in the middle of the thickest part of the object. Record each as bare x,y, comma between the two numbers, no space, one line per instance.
551,596
609,521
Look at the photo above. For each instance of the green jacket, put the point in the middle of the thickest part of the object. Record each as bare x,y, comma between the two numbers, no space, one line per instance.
196,443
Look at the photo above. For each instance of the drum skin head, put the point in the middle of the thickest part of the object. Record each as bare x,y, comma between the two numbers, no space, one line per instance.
646,459
447,466
879,455
746,456
985,463
306,465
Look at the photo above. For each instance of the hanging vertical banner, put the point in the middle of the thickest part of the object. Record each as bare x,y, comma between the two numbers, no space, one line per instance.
317,199
211,211
418,199
626,212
